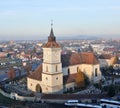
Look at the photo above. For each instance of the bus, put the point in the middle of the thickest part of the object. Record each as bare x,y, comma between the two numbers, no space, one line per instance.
71,102
77,104
82,105
106,103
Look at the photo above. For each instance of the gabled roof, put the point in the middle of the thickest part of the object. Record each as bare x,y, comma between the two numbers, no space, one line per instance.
78,58
73,78
69,78
37,74
68,60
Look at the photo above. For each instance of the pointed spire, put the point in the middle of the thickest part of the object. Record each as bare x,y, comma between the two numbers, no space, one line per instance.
51,37
51,32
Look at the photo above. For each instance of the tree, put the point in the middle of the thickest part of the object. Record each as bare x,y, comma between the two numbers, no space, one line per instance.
28,68
11,73
114,60
87,82
111,90
111,69
80,79
19,72
34,50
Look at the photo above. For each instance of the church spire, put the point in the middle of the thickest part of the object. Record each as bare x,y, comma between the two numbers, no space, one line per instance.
51,43
51,37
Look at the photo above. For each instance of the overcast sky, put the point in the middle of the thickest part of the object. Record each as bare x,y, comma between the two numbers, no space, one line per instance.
22,19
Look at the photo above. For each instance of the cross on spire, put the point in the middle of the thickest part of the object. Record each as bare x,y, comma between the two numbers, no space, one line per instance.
51,23
51,37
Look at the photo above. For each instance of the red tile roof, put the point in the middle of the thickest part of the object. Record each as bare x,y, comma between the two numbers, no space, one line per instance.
51,45
79,58
89,58
67,60
3,54
69,78
37,74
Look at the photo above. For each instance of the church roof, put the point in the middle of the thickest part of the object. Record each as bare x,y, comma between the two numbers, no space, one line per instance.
72,77
69,78
78,58
68,60
51,41
51,45
37,74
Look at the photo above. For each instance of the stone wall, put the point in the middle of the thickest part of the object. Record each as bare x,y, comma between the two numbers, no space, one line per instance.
16,96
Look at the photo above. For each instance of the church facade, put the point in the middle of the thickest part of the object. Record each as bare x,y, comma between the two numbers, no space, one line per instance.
58,73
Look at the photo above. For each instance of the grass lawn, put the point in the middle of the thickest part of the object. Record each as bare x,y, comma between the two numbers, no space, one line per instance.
6,101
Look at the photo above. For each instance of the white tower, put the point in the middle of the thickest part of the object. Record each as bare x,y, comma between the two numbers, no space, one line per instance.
52,76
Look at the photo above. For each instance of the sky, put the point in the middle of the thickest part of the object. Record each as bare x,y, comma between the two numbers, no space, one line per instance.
31,19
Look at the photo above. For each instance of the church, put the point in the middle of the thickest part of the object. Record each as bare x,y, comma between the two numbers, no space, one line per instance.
58,73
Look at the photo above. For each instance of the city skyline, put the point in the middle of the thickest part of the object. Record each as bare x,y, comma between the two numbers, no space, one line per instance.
31,19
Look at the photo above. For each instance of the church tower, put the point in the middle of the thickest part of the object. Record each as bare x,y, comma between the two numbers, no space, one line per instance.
52,75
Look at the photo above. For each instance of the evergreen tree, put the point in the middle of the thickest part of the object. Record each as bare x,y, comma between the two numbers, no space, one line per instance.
111,90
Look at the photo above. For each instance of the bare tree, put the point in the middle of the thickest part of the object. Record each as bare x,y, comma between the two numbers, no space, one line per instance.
28,68
11,73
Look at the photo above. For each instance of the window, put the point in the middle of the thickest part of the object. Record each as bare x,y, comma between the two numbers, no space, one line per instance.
46,68
68,71
56,68
96,72
46,78
77,69
57,78
31,84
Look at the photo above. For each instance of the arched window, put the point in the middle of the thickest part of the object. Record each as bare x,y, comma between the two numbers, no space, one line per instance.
56,68
46,68
68,71
77,69
96,72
